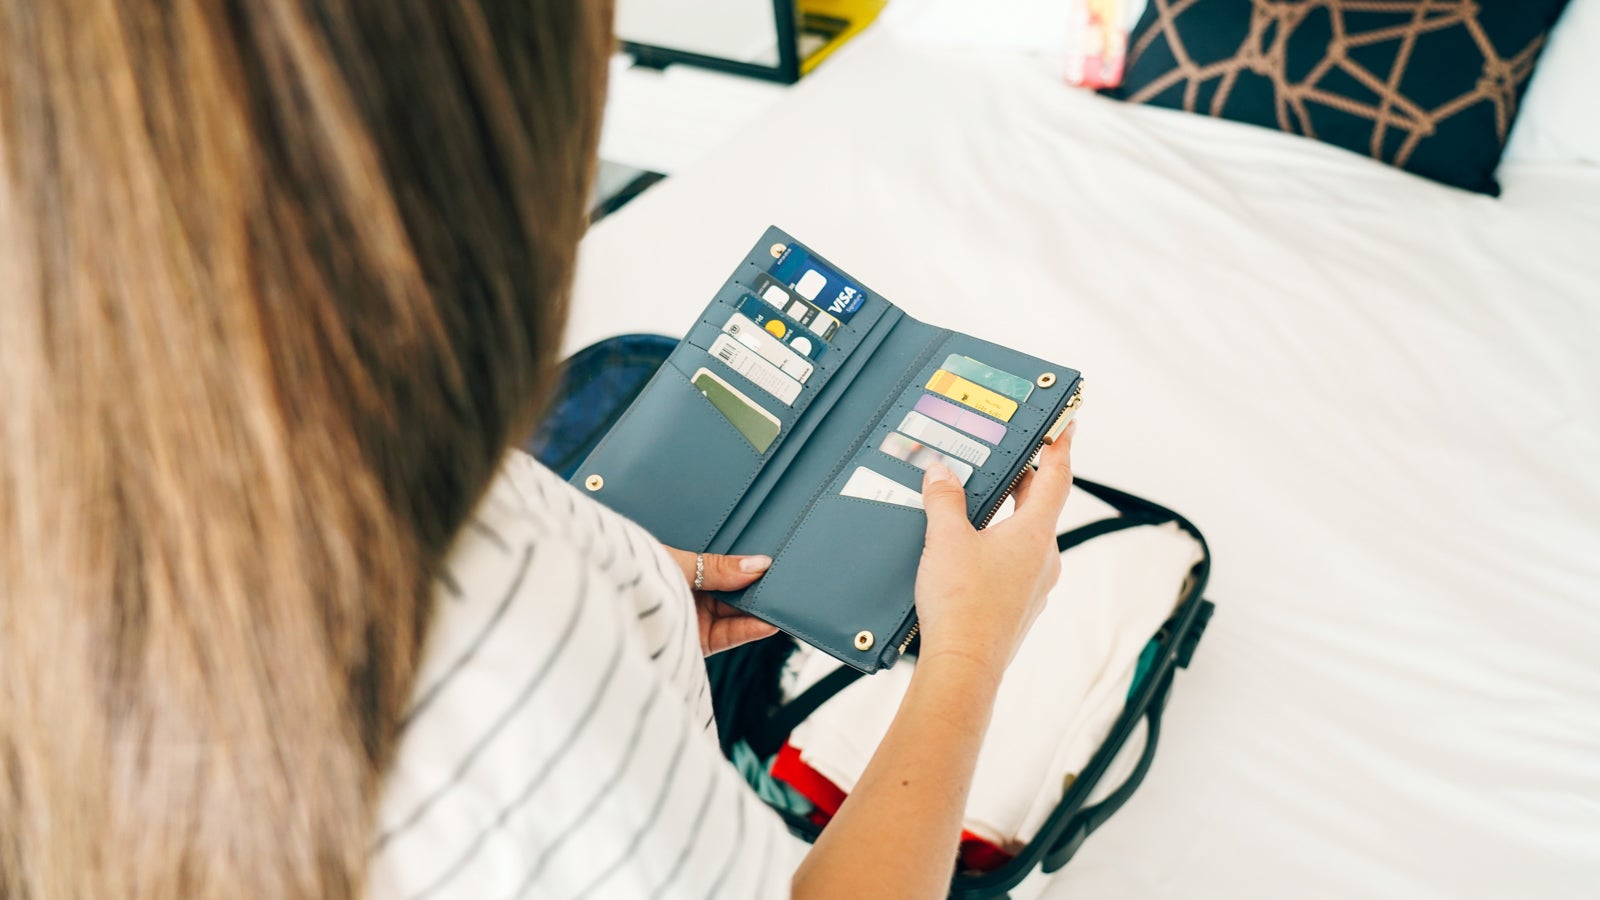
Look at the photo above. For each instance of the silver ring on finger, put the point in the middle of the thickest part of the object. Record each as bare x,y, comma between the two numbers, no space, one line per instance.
699,571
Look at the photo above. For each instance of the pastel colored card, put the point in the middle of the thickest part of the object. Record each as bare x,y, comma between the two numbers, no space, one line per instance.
783,298
758,426
1004,383
783,328
956,417
976,396
869,485
770,348
761,373
818,283
922,456
944,438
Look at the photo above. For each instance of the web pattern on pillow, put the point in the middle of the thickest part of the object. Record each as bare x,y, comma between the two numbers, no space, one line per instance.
1384,34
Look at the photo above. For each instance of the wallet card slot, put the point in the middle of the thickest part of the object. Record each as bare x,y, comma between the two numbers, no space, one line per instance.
684,482
839,349
787,468
999,470
829,437
877,598
689,360
996,470
899,470
1032,413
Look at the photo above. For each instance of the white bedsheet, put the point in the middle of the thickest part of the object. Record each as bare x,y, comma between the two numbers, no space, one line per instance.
1379,398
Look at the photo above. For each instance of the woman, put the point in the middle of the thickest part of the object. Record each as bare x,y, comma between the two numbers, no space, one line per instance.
282,281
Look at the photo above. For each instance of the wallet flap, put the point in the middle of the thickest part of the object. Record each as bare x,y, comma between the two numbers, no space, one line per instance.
844,582
673,463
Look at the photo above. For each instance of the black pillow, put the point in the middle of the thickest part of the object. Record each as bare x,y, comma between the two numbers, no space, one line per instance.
1431,86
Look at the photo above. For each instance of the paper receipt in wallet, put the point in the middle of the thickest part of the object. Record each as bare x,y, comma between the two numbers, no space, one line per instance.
753,366
758,426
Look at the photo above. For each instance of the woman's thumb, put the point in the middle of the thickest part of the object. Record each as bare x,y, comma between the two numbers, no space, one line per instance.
944,499
729,573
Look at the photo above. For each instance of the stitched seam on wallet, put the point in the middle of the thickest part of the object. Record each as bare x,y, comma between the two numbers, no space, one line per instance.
811,638
660,376
664,376
827,485
844,354
848,455
825,495
982,487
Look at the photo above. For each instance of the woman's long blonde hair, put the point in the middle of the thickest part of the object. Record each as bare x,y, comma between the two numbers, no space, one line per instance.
280,281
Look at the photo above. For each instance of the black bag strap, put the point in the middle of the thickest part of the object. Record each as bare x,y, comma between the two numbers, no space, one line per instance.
1084,823
768,736
1070,825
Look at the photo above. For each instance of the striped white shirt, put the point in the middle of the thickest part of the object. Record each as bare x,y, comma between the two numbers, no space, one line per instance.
561,743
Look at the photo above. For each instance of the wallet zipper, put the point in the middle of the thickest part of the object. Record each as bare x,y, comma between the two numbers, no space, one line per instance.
1050,434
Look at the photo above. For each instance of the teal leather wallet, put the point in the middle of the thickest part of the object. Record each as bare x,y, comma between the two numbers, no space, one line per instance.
794,420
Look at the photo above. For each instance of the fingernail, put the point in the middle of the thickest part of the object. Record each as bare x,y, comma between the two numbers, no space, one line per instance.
753,564
939,472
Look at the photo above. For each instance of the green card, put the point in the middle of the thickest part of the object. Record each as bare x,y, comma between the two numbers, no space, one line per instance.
758,426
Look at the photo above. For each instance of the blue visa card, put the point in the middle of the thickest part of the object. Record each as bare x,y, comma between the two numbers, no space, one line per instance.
817,283
784,329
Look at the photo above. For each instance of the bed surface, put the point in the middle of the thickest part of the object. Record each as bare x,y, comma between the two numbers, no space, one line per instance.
1379,398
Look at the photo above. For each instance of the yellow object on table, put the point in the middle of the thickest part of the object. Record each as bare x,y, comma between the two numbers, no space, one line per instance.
835,22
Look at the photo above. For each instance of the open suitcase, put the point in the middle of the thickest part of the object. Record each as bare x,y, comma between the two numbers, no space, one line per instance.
599,383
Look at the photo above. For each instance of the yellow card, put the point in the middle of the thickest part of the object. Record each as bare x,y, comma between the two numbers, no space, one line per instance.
976,396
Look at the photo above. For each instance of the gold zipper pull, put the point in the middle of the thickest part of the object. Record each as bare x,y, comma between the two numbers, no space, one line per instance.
1066,416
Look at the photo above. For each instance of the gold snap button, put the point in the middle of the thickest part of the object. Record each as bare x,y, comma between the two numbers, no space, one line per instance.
1046,379
864,640
594,482
777,250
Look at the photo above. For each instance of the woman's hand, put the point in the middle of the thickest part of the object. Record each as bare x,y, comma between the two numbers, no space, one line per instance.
721,626
978,592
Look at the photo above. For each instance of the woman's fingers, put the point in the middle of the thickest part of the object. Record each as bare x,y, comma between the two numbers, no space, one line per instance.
945,502
722,628
722,573
1047,493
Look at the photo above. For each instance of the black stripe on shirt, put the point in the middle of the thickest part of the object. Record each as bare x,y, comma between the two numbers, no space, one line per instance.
738,844
650,819
488,531
528,689
428,696
766,858
694,833
606,788
538,779
448,580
